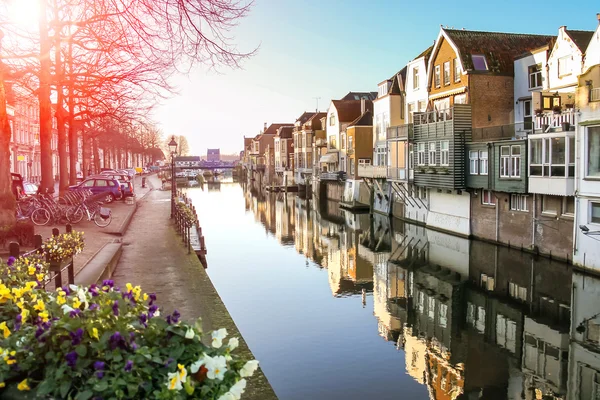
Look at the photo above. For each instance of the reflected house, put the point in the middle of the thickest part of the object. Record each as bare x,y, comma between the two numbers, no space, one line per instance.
304,229
354,266
270,214
284,231
584,350
415,355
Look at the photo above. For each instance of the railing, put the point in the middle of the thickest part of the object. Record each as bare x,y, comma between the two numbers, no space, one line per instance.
551,120
188,226
516,130
321,143
397,174
372,171
333,176
595,94
400,131
429,117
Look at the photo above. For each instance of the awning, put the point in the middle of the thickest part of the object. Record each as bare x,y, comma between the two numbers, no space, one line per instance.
447,93
329,158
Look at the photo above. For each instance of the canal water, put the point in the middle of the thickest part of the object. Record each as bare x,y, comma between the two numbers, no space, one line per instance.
337,305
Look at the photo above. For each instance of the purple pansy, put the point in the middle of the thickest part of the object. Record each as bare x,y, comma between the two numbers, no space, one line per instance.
128,366
11,260
75,313
94,306
152,298
115,308
116,340
153,308
71,359
66,290
108,282
76,336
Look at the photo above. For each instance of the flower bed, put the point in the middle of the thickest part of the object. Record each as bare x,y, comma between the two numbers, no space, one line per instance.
64,246
103,341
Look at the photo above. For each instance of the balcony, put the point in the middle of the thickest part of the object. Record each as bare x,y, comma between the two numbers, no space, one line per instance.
321,142
396,174
552,164
333,176
400,132
548,122
372,171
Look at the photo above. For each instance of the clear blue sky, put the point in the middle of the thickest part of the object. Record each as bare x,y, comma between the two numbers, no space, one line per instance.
326,48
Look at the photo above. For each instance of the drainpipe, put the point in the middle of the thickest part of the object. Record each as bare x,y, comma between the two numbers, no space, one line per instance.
577,183
533,220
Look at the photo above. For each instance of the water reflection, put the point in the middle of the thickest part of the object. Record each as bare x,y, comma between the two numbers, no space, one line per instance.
473,320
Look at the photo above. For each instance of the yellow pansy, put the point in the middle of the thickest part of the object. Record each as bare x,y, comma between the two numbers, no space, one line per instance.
31,285
31,270
129,287
76,302
40,277
145,296
4,294
17,292
95,334
8,357
23,385
39,306
2,384
24,314
5,330
44,316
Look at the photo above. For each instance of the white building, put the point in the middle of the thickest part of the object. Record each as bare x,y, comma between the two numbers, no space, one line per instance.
586,241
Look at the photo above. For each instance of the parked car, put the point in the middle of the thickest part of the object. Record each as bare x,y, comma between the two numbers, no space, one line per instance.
30,188
124,181
101,184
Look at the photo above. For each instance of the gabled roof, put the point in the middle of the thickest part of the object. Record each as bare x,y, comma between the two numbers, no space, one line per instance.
360,95
500,49
349,110
272,129
426,53
580,38
247,141
317,115
365,119
285,132
305,117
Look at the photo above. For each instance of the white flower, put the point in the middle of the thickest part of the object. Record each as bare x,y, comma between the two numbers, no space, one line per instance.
217,337
189,334
67,309
177,378
237,389
227,396
216,366
233,343
249,368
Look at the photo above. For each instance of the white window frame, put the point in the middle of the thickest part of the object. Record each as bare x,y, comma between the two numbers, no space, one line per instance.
518,202
545,210
457,73
567,66
447,77
591,210
445,153
517,292
364,162
421,153
473,56
510,164
473,162
483,162
564,207
436,77
431,154
411,156
488,198
588,134
415,78
443,315
537,75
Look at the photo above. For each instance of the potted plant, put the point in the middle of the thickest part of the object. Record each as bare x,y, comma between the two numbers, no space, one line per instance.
557,109
569,106
443,171
566,126
539,112
430,170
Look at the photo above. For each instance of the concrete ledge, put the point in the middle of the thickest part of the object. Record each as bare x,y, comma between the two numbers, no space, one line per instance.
101,266
120,231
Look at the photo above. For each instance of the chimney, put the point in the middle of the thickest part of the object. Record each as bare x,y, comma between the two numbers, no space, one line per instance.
598,17
265,127
363,105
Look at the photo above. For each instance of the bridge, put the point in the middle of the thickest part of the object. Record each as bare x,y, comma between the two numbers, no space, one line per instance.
197,163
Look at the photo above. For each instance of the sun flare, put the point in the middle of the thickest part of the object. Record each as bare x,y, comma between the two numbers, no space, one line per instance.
25,13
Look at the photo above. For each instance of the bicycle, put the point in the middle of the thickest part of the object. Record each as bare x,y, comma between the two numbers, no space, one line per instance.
101,216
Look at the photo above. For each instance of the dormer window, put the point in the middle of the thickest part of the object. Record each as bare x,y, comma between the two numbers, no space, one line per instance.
384,88
479,62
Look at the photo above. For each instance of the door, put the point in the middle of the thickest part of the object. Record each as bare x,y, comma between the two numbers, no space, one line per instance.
527,118
101,186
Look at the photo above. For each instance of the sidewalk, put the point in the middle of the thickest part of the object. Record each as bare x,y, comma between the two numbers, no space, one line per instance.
96,237
154,258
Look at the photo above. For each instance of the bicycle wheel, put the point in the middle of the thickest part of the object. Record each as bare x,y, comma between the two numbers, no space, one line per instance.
102,222
75,215
40,216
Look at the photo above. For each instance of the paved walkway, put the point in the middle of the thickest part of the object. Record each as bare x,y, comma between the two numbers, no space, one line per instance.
154,258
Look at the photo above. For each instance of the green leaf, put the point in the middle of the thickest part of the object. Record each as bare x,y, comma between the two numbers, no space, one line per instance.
101,386
85,395
44,388
132,389
81,350
64,389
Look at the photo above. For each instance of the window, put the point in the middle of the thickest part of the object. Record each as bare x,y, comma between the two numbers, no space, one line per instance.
421,298
535,76
432,160
411,107
456,70
506,333
594,213
420,153
343,164
473,162
564,66
350,142
351,166
332,142
445,152
568,206
101,182
593,151
431,307
343,141
483,162
488,198
447,73
332,120
548,102
411,156
443,315
88,183
487,282
510,161
421,106
517,292
437,76
416,78
518,202
479,62
364,161
550,204
460,99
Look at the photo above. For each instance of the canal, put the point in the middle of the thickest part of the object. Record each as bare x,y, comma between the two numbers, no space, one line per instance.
343,306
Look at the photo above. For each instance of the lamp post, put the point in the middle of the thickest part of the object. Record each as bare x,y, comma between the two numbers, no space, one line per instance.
173,150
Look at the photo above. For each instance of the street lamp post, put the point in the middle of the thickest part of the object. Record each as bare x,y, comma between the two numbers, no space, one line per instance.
173,150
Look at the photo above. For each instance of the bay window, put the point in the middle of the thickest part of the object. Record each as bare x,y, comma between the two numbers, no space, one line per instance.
593,152
552,157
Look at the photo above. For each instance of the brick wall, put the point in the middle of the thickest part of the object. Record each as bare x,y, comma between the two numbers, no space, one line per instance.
492,99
